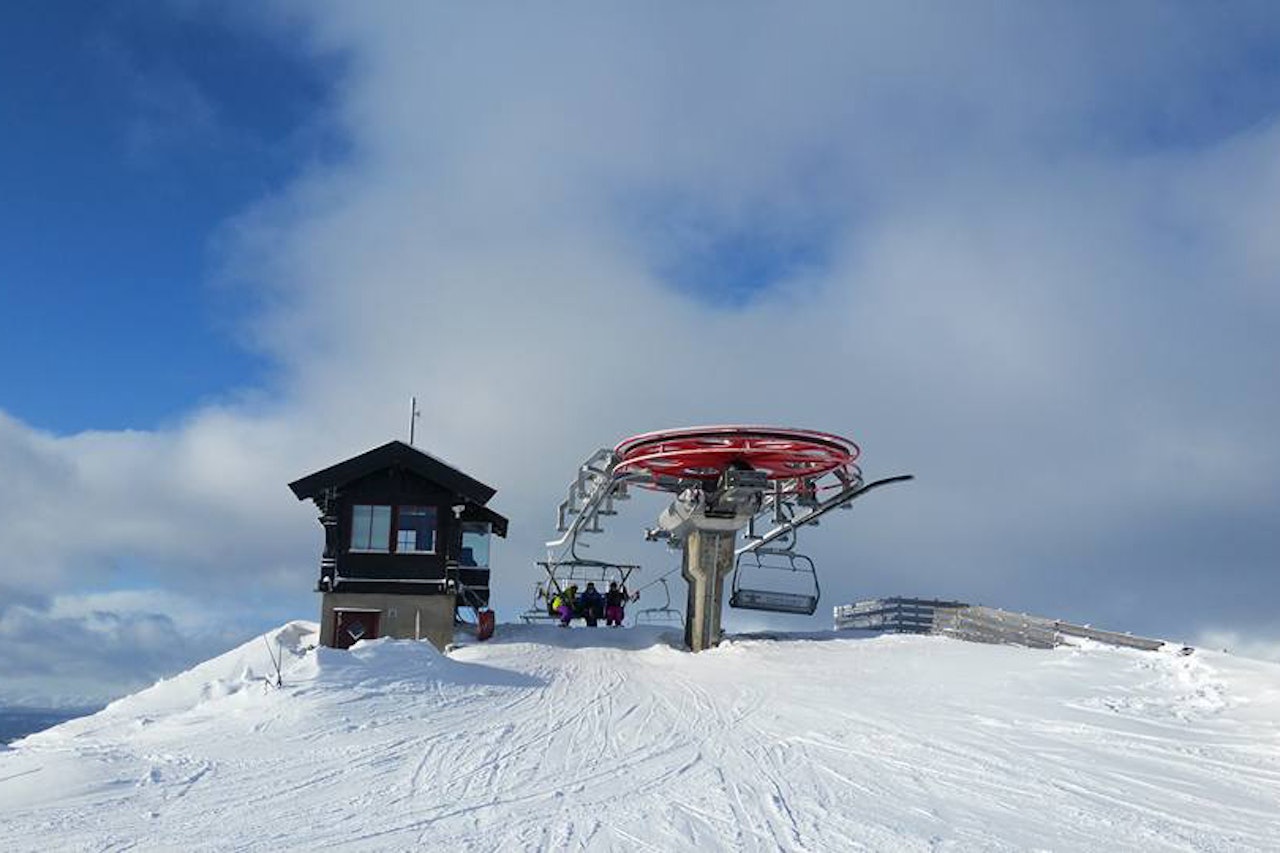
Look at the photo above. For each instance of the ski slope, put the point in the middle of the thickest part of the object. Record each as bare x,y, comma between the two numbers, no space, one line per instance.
614,740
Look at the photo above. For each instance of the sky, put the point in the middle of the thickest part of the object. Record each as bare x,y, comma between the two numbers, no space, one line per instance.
1024,253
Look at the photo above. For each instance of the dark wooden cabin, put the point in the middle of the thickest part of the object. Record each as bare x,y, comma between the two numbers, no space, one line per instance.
404,534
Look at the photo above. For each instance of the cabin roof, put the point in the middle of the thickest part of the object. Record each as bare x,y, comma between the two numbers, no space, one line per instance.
390,455
483,513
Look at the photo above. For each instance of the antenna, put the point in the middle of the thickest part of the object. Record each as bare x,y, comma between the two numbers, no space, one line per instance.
414,414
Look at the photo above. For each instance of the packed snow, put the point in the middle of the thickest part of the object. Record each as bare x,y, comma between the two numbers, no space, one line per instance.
603,739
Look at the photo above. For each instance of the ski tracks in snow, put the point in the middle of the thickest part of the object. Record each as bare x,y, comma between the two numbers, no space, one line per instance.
602,741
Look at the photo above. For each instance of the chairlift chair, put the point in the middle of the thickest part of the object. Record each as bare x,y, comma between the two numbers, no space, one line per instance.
562,574
664,615
540,611
775,580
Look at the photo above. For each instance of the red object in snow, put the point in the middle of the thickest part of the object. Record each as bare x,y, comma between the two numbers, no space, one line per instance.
704,453
485,625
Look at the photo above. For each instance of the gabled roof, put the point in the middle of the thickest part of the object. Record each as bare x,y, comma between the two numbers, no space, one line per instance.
392,454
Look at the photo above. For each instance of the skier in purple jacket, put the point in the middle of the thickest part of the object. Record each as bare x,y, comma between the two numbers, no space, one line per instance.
614,602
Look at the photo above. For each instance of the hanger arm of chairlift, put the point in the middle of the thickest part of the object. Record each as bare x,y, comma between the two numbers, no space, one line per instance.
563,573
844,497
606,483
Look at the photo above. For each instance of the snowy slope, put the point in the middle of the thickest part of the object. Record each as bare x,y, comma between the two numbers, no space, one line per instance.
607,739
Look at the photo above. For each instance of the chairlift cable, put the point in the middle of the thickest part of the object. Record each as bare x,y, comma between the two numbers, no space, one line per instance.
657,580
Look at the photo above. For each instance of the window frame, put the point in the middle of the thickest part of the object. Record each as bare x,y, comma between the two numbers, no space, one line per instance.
488,544
353,548
435,530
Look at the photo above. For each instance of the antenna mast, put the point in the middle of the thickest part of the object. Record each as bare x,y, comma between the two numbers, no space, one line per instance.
414,414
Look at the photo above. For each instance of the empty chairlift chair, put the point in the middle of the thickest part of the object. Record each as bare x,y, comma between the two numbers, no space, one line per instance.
776,581
663,615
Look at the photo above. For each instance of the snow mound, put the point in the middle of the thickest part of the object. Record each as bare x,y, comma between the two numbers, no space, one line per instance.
616,739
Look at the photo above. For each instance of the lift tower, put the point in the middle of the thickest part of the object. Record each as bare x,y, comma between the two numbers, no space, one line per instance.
724,480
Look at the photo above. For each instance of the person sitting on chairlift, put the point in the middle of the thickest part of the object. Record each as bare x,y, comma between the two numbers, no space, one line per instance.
564,604
615,601
592,605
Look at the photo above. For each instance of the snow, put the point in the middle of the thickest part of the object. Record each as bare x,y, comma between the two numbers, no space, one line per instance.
604,739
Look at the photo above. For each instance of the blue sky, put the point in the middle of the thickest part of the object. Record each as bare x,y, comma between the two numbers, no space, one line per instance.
120,160
1026,253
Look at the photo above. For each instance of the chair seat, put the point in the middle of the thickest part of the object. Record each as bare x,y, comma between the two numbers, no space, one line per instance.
774,602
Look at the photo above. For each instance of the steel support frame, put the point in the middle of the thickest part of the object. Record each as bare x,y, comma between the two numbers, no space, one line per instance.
839,500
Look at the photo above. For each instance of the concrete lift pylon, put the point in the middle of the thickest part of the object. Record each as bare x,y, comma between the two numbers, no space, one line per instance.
724,479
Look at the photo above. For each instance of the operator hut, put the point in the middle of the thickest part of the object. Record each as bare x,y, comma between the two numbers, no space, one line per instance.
406,543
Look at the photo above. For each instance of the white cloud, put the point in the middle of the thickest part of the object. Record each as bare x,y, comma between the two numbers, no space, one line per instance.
86,650
1027,296
1240,644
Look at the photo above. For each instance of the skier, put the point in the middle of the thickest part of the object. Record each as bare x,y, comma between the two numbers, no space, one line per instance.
592,605
564,604
614,602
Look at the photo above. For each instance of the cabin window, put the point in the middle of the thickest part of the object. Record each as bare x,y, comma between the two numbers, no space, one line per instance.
475,544
416,530
370,527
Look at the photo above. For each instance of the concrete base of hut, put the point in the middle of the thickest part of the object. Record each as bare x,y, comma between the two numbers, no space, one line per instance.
346,617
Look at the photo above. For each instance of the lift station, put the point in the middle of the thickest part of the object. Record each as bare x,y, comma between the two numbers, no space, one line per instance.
766,482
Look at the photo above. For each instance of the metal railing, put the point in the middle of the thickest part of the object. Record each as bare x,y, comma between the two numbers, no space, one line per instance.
975,623
896,615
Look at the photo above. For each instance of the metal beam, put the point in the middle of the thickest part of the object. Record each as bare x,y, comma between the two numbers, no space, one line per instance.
844,497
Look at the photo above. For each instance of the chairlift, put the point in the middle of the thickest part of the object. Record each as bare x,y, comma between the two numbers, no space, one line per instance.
540,611
664,615
562,574
775,580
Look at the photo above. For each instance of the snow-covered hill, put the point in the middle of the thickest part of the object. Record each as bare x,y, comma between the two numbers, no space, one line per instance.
613,739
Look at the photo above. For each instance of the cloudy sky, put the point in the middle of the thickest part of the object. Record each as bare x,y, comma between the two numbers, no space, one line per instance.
1025,252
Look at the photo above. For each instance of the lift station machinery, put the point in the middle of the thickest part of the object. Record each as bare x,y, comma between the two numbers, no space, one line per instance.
766,482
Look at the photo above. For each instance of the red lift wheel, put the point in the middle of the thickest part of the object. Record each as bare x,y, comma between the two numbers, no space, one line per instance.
704,453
